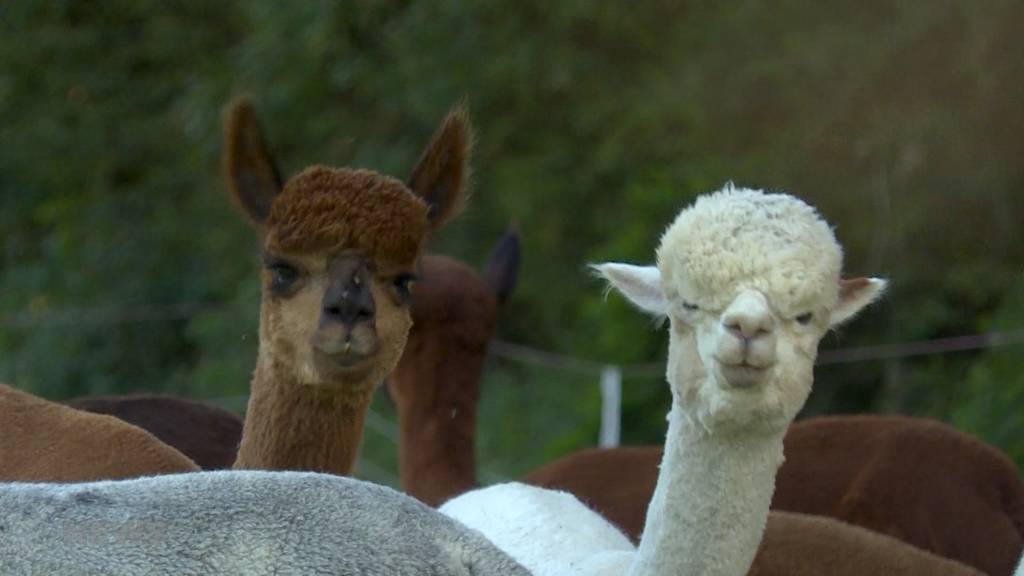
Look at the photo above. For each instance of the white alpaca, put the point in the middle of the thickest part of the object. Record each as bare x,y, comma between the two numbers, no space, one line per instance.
750,283
252,523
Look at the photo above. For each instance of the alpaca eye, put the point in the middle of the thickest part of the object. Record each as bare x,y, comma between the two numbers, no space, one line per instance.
689,307
403,284
805,318
282,276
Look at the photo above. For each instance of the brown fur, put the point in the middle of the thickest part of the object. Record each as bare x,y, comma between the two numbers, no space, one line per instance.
807,545
327,210
436,385
302,415
42,441
914,479
246,162
300,427
445,162
208,435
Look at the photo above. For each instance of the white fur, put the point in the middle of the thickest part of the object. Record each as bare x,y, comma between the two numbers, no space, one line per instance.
1018,572
253,523
750,283
641,284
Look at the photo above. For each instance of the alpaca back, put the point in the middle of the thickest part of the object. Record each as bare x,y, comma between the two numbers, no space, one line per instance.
253,523
42,441
207,434
548,531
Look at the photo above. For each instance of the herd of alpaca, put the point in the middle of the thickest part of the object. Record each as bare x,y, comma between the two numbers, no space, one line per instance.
915,479
749,283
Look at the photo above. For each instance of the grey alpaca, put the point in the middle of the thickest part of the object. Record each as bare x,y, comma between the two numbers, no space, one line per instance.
237,523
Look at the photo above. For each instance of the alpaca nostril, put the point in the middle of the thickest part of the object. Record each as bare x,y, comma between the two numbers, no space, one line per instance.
735,329
348,312
749,328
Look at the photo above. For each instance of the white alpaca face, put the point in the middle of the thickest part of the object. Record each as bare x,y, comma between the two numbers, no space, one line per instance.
746,365
750,284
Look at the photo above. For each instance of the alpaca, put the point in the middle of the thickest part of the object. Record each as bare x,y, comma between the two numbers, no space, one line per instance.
453,310
793,544
235,522
436,385
750,282
207,434
340,249
807,545
915,479
43,441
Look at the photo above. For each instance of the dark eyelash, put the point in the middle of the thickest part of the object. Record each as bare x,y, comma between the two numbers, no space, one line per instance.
690,307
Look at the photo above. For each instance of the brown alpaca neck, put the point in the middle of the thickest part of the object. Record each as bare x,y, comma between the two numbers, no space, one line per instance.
294,426
436,452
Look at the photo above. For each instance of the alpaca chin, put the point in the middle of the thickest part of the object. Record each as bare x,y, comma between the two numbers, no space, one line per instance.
723,409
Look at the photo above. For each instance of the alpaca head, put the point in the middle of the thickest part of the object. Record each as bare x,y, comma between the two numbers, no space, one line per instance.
340,249
454,312
750,282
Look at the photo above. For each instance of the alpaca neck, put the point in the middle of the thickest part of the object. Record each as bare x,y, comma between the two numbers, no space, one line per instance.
436,459
294,426
709,508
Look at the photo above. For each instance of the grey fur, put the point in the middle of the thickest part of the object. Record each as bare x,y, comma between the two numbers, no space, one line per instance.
234,523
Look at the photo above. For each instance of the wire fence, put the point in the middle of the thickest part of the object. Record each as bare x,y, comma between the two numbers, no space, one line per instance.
607,376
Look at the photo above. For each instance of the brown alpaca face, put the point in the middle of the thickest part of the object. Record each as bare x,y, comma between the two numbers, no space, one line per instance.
335,317
340,249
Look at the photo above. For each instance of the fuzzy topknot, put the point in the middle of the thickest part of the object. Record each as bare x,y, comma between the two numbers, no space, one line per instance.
328,209
736,238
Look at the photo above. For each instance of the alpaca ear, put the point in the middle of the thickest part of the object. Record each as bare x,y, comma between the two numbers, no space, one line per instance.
641,285
502,269
854,295
249,170
442,172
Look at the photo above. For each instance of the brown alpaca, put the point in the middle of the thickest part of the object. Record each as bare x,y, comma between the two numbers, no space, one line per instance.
340,249
206,434
453,314
42,441
914,479
807,545
437,383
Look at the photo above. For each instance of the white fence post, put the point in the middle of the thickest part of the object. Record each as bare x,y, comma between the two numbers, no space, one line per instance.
611,406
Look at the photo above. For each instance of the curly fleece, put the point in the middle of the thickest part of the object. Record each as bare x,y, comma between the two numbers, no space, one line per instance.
328,209
741,238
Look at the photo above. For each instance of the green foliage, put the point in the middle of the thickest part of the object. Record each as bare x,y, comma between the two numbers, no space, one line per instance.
125,269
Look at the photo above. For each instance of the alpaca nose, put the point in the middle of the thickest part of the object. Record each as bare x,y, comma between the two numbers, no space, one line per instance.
349,306
748,324
348,299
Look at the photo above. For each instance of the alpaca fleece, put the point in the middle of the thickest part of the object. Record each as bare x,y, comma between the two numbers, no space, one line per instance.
732,269
207,434
745,238
914,479
325,209
253,523
42,441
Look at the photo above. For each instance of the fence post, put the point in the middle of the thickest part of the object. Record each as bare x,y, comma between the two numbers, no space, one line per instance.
611,406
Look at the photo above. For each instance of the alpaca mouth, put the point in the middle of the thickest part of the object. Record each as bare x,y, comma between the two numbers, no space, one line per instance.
743,375
342,358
